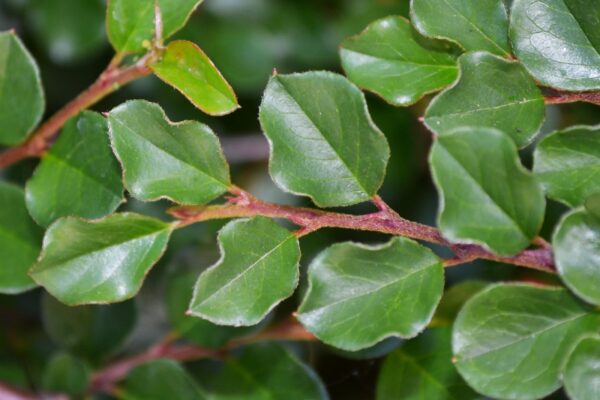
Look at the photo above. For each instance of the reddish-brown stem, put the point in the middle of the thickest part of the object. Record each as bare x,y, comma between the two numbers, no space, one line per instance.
559,97
8,392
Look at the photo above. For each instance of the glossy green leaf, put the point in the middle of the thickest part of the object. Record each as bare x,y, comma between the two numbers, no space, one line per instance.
130,23
258,268
160,380
264,372
20,241
453,300
558,41
475,25
350,284
516,106
184,66
21,93
423,369
94,332
582,370
67,374
576,244
323,141
79,176
392,60
101,261
510,341
486,195
567,163
181,161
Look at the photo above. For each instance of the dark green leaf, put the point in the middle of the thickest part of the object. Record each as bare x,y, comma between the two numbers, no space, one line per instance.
558,41
350,284
323,141
582,371
476,99
392,60
258,268
101,261
453,300
67,374
487,196
181,161
511,340
21,93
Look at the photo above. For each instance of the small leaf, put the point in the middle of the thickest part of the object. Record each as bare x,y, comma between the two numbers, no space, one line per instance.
350,284
453,300
160,380
21,93
475,25
511,340
392,60
258,268
182,162
576,244
323,142
582,371
20,241
101,261
558,41
79,176
184,66
130,23
476,99
66,374
423,369
486,195
567,163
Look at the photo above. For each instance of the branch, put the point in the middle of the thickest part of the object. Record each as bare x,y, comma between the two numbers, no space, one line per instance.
386,220
559,97
8,392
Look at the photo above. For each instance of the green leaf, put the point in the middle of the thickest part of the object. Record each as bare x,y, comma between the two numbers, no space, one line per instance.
101,261
66,374
20,241
130,23
21,93
266,371
258,268
486,195
181,161
350,284
159,380
323,142
184,66
392,60
576,244
94,332
477,100
582,374
79,176
558,41
453,300
422,369
475,25
592,204
567,163
510,341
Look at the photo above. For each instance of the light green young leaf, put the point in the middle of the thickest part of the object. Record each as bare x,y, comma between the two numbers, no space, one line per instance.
258,268
181,161
184,66
558,41
516,106
576,244
21,93
20,241
486,195
475,25
101,261
581,372
423,369
130,23
359,295
323,142
78,176
511,341
67,374
567,163
392,60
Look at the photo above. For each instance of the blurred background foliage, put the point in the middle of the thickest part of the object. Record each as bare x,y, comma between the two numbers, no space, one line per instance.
246,39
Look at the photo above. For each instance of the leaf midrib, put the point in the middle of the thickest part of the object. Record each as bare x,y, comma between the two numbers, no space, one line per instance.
441,66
